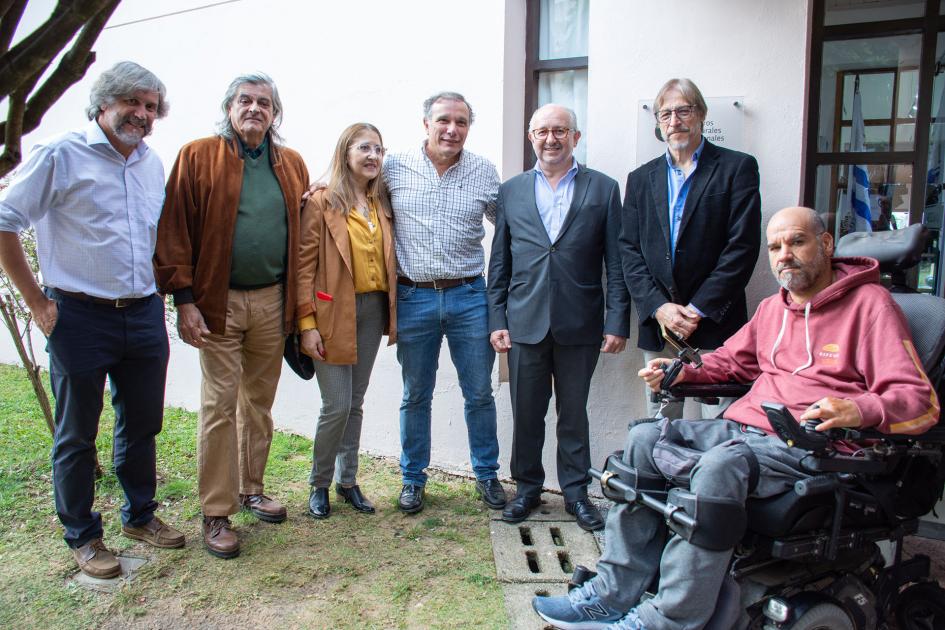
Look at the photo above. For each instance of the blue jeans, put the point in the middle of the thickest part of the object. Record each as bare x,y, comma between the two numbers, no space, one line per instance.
423,317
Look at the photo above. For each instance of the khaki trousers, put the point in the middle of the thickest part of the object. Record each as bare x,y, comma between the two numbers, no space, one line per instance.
240,371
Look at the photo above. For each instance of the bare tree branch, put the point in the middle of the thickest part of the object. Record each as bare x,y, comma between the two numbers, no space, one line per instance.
11,11
70,70
36,52
23,60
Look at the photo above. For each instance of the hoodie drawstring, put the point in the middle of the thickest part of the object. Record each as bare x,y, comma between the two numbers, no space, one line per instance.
777,342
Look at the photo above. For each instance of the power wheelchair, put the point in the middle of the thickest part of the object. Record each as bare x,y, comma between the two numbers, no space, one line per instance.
813,558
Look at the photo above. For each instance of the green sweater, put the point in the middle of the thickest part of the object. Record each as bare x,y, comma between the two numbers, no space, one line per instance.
260,236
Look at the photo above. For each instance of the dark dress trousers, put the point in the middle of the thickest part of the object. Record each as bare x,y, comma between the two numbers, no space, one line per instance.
550,296
716,250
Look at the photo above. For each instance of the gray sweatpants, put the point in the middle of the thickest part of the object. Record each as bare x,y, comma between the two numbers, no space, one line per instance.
338,433
636,543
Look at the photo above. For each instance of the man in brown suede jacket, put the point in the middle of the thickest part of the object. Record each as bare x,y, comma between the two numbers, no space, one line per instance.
227,249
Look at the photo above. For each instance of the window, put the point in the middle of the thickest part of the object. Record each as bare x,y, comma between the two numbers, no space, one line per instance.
875,138
556,62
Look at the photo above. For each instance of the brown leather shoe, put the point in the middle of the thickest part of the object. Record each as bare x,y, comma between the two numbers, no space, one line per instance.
263,508
95,560
220,539
156,533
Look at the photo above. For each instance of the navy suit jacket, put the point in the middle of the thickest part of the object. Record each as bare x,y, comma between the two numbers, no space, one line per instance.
536,286
716,250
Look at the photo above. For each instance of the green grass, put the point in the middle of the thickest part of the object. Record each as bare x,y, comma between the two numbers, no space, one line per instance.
388,570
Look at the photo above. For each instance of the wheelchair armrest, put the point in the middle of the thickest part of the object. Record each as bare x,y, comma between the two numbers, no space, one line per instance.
935,435
709,390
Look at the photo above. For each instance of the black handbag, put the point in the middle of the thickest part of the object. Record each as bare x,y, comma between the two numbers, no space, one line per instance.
301,363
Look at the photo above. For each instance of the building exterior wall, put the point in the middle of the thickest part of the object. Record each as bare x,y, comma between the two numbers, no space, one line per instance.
336,63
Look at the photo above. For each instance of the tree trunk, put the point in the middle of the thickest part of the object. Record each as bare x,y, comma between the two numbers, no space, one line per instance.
33,369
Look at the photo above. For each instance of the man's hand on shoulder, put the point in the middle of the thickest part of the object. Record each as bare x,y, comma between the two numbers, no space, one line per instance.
500,340
678,319
191,326
835,413
653,373
613,344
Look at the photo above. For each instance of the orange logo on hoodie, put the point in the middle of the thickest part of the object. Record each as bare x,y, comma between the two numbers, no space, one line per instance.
830,354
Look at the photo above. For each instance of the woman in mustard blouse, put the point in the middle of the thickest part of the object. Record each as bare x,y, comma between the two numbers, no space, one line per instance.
346,301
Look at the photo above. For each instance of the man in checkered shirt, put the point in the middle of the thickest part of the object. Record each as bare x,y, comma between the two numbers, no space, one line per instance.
440,194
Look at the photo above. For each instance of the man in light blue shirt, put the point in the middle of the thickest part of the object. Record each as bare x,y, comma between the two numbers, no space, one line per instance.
549,309
94,197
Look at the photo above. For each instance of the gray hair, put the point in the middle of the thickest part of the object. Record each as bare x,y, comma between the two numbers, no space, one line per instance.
124,79
225,127
685,87
446,96
572,116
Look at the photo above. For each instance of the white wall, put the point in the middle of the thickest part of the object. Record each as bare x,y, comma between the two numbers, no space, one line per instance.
336,63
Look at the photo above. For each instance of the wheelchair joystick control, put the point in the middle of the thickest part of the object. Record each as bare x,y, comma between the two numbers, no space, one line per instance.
811,425
793,434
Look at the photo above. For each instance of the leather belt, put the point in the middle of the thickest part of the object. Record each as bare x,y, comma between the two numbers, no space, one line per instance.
114,303
445,283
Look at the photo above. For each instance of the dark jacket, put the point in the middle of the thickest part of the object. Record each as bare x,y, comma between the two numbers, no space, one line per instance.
716,251
536,285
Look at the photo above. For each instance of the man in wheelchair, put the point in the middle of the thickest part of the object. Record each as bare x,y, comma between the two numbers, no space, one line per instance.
836,350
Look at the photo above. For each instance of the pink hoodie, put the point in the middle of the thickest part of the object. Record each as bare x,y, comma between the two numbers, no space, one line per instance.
849,341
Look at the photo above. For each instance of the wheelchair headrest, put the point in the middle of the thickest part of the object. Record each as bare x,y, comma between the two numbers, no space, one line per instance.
926,317
895,250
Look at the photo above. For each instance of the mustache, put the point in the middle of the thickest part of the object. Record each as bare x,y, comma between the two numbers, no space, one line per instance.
784,266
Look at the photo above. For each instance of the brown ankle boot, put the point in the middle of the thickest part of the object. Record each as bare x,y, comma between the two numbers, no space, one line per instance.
95,560
220,539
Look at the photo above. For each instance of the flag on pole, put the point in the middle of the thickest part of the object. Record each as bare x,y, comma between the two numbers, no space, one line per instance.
855,214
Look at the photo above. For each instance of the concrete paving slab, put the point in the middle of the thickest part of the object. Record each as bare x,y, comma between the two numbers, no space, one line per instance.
541,551
518,603
129,567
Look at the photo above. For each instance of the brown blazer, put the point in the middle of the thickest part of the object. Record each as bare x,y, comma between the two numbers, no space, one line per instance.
194,249
325,270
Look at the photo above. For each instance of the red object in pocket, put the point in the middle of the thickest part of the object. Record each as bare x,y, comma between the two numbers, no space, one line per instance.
321,295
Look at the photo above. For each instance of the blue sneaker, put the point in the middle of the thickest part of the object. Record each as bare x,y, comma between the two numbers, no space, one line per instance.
581,609
630,622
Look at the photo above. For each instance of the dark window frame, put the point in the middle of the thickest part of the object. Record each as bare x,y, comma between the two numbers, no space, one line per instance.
534,67
928,27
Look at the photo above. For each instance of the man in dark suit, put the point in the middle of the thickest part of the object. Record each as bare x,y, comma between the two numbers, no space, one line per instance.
557,229
691,234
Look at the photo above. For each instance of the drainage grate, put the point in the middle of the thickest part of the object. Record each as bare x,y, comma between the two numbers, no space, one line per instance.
541,551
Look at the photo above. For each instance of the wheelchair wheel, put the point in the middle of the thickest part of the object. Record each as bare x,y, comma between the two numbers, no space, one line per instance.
824,617
921,607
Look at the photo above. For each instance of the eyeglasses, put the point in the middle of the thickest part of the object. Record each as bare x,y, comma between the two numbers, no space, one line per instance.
682,113
558,132
366,148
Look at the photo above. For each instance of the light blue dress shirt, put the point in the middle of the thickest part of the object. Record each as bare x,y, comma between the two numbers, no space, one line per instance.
95,213
553,204
679,184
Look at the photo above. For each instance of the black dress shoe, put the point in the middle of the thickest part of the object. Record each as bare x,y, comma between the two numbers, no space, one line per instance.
492,493
353,496
318,505
519,508
587,515
411,499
